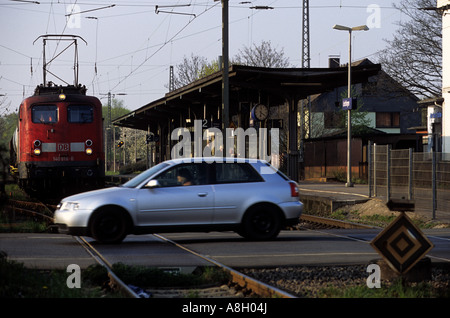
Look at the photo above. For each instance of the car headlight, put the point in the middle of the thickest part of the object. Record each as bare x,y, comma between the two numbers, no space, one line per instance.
68,206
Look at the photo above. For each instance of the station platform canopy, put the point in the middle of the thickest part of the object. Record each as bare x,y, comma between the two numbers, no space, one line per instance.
202,99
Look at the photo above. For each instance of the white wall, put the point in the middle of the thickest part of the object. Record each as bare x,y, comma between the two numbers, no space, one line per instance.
445,75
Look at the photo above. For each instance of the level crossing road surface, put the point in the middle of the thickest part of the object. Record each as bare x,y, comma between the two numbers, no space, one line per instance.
292,248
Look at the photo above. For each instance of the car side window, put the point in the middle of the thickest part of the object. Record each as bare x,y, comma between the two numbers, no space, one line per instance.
236,173
183,175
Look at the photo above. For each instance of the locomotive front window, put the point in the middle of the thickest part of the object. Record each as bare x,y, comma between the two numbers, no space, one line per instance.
80,114
45,114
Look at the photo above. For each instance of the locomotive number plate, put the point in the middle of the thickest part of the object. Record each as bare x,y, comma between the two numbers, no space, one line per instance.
63,147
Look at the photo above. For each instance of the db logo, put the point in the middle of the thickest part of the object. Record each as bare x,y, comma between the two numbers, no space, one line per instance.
63,147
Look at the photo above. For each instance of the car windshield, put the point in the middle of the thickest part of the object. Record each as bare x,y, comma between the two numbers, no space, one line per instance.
133,183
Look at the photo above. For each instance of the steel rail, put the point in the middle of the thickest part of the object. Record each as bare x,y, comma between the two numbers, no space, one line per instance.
27,211
114,279
334,223
241,279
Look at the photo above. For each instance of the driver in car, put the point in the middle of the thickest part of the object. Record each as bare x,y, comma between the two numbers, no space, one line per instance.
184,177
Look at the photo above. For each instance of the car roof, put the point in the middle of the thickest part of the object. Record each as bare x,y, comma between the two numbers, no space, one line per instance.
214,159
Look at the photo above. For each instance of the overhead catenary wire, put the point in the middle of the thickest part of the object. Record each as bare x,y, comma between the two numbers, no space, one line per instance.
148,46
161,47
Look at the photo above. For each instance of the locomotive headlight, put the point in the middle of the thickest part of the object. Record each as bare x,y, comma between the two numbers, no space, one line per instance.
37,151
88,142
89,151
37,143
62,96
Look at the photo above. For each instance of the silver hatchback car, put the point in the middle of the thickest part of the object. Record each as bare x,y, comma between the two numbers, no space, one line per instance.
249,197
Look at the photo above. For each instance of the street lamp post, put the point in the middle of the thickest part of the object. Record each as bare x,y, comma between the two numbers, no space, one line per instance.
349,95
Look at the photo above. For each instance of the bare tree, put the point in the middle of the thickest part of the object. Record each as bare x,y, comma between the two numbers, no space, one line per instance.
194,67
263,55
189,70
414,56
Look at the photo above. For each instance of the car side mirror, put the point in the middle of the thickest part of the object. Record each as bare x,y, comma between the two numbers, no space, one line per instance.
152,184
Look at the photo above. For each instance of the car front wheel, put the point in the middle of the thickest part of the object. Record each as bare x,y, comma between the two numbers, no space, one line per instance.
109,226
261,223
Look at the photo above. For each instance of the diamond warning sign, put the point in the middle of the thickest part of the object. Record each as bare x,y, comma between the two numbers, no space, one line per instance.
401,244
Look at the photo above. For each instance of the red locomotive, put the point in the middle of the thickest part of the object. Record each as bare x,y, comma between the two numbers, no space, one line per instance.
57,148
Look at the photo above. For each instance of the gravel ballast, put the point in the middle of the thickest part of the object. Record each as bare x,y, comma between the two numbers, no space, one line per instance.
309,281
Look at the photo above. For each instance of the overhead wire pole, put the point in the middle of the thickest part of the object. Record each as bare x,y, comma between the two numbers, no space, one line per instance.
305,35
225,68
305,120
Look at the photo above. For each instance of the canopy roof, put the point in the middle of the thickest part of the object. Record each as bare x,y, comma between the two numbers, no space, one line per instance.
274,86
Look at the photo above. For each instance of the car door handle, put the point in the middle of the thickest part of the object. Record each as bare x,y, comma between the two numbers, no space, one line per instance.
202,194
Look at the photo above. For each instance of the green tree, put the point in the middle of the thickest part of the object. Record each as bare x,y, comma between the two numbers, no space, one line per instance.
7,126
117,110
209,68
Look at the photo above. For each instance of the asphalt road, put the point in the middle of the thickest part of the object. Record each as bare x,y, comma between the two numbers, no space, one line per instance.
290,249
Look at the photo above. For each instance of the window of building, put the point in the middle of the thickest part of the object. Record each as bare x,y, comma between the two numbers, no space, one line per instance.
44,114
332,119
388,120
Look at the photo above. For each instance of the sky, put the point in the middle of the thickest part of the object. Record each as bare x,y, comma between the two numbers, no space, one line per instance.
131,45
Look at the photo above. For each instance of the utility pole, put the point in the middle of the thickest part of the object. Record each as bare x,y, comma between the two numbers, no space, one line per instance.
305,107
225,66
107,144
171,79
305,35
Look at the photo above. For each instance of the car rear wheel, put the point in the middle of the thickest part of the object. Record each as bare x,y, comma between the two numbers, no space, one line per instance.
261,223
109,226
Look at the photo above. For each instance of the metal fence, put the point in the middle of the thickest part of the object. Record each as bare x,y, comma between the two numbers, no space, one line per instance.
423,177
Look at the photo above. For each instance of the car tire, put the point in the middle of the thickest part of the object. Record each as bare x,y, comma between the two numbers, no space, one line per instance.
109,226
260,223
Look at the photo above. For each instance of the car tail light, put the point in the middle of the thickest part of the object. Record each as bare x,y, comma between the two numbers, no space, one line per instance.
294,189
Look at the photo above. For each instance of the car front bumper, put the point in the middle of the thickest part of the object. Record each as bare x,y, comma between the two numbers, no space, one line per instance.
72,222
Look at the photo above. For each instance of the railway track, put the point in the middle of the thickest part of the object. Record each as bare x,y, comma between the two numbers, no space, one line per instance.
239,281
317,222
17,211
114,280
251,286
